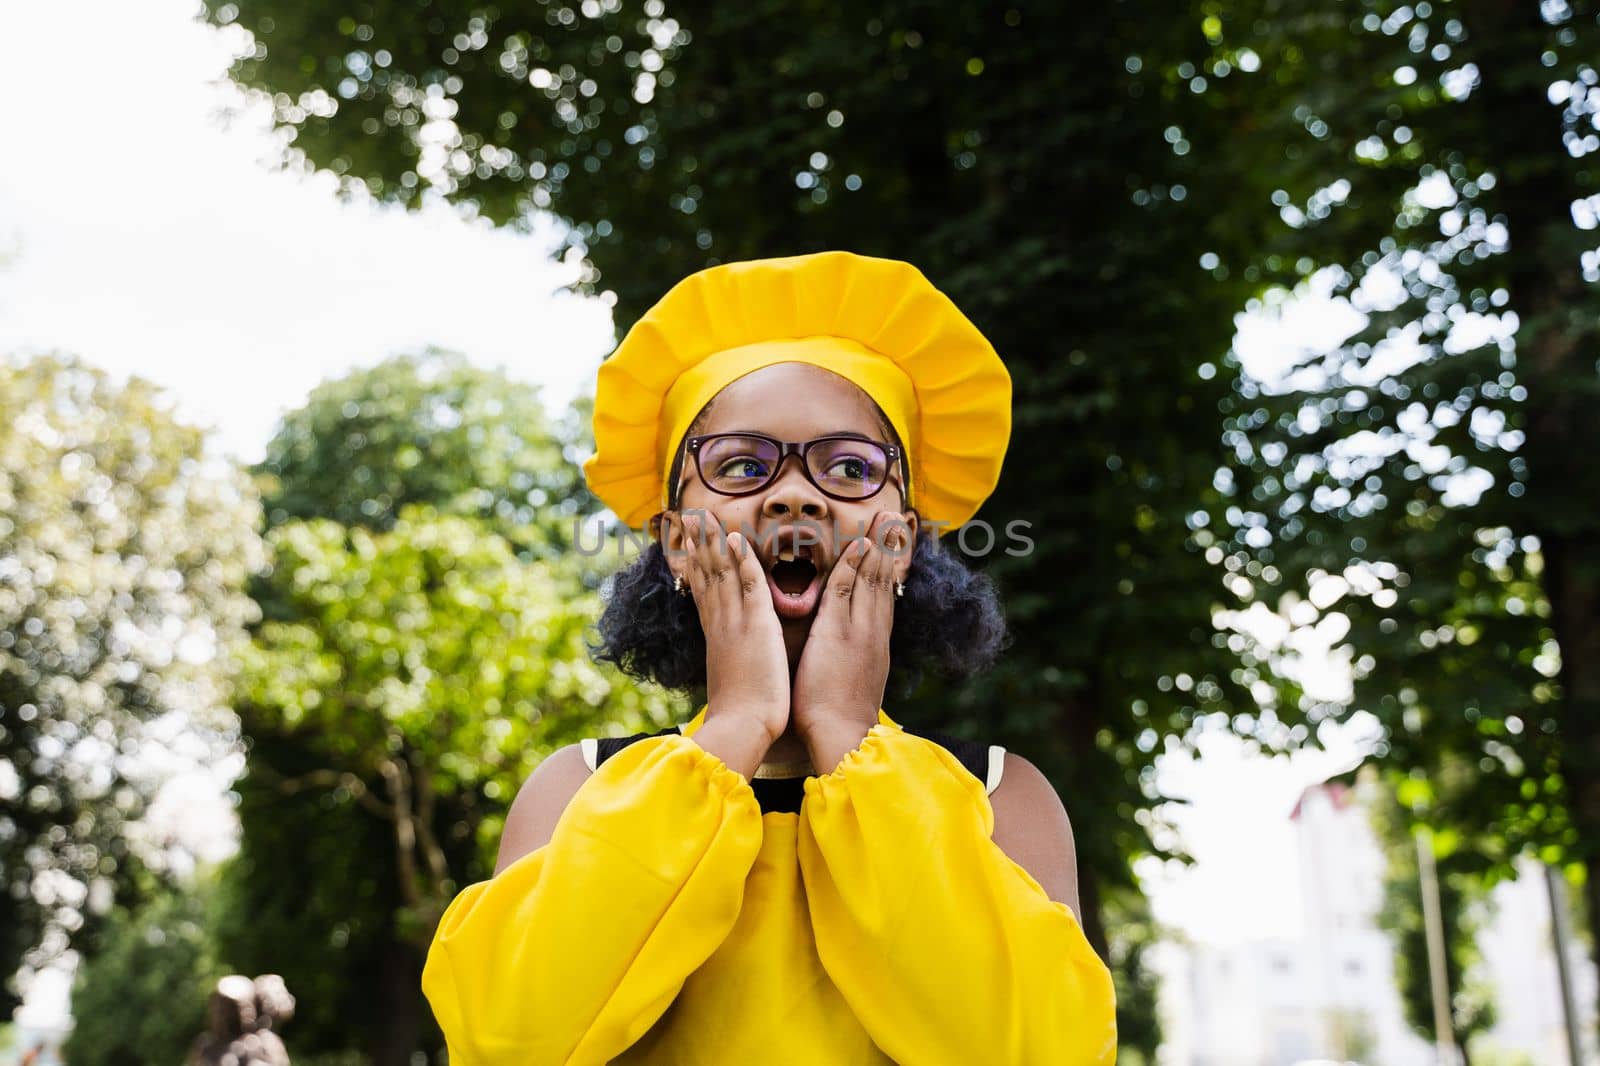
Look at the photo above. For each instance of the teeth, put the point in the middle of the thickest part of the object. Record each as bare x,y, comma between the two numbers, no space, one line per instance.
786,554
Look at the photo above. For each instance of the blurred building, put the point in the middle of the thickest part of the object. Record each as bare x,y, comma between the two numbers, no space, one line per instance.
1330,993
1327,994
1518,950
41,1035
43,1021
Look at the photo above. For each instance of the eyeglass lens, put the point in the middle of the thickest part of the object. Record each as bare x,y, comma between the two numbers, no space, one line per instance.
845,467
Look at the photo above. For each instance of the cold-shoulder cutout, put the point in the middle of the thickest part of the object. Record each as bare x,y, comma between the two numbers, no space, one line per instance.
1031,826
540,802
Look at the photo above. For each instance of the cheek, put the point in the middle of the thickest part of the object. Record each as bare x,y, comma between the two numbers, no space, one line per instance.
858,520
732,512
736,515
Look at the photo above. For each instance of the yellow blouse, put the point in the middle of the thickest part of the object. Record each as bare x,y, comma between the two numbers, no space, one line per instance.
670,921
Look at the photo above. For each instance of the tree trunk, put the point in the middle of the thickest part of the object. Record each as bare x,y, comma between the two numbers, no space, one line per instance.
1575,616
1556,350
397,1026
1080,723
1094,926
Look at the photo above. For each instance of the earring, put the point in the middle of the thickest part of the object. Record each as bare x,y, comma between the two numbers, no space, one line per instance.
678,585
899,589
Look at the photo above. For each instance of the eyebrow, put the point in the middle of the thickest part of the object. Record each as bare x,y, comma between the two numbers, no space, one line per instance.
831,433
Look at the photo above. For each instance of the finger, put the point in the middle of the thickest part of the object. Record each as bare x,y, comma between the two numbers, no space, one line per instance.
840,587
867,607
752,582
705,564
701,559
719,564
695,573
895,561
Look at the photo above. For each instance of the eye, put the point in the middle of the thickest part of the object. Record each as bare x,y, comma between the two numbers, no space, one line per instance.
851,467
739,467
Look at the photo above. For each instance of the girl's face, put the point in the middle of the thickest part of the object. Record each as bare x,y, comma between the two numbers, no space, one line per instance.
794,402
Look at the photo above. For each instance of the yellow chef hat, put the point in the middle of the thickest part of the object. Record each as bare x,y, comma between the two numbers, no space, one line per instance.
876,322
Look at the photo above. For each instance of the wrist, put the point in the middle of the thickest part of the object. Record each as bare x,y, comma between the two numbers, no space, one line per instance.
737,737
750,717
833,720
828,742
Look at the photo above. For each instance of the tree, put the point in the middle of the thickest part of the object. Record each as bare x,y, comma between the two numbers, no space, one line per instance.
1399,808
123,557
142,999
415,662
1012,153
1132,931
1429,478
429,671
429,428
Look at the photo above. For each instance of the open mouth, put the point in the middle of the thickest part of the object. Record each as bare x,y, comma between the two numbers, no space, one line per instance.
792,576
796,582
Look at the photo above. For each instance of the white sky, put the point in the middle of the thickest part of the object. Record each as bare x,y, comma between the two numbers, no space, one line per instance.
148,239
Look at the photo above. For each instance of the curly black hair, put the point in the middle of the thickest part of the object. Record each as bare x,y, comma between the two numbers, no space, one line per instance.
948,622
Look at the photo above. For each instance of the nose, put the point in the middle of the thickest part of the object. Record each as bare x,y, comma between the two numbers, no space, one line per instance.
792,494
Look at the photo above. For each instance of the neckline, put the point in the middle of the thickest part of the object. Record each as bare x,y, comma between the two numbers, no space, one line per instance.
774,770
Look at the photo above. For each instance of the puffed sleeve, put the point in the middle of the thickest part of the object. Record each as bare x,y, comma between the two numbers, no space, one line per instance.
574,950
945,949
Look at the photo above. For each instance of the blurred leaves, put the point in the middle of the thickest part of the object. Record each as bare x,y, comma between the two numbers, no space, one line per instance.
142,998
123,556
428,661
1011,152
1132,932
1464,905
1426,483
421,651
429,428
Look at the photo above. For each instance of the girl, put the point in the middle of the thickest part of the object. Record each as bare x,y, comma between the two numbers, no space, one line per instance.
791,875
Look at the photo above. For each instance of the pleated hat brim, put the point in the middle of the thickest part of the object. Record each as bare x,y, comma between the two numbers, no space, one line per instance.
878,322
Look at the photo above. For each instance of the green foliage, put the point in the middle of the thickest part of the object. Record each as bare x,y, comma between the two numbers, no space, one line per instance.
142,1000
1484,1052
416,660
427,663
428,428
332,1058
1009,152
1133,931
1434,158
1463,903
123,555
312,872
1353,1031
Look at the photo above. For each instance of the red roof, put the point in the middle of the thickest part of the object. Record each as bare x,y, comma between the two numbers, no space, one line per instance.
1338,792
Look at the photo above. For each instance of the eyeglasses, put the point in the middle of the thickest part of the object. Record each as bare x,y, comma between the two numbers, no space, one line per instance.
843,466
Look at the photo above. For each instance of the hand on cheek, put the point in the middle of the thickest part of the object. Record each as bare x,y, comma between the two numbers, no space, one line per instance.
747,666
839,685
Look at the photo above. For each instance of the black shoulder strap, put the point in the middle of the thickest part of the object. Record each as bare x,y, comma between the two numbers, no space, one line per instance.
974,755
983,761
605,747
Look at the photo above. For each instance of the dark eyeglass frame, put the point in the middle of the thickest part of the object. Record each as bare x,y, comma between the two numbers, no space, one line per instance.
787,448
